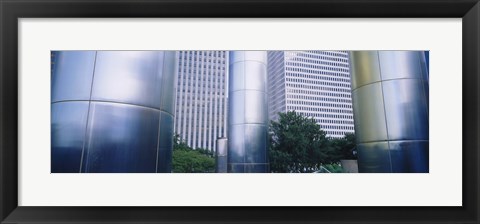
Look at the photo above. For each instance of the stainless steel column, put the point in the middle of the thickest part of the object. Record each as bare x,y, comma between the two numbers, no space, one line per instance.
221,155
247,112
390,105
112,111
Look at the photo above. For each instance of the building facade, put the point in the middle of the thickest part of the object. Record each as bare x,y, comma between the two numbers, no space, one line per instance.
201,97
315,84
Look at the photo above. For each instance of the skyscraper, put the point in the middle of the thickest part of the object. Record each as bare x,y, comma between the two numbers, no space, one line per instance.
201,105
313,83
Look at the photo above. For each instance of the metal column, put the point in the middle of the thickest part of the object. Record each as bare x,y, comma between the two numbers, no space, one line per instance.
112,111
221,155
390,105
248,112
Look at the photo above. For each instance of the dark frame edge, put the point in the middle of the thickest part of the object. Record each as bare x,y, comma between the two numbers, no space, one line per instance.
471,88
8,115
11,213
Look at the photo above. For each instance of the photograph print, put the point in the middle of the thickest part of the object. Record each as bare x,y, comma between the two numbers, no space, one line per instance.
313,111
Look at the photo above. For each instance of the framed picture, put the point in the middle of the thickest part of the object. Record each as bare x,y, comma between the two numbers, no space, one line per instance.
103,105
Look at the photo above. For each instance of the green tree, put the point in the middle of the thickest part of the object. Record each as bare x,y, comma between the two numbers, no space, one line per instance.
344,147
188,160
298,143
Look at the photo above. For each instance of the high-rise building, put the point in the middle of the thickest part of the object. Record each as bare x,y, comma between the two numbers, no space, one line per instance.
313,83
201,105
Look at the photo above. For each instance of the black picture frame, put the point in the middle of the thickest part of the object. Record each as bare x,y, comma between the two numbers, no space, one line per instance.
12,10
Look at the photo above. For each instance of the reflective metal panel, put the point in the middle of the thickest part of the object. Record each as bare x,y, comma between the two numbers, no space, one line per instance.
260,56
165,143
400,99
256,143
256,168
236,168
424,65
426,91
248,113
168,84
400,64
236,56
236,109
409,156
72,77
237,77
255,76
369,113
121,138
406,109
221,159
236,144
374,157
364,67
68,126
129,77
255,107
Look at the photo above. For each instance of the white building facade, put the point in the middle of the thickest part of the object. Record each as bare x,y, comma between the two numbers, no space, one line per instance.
315,84
201,98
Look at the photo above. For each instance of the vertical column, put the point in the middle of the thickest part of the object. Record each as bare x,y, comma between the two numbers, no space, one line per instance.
221,155
248,113
390,105
112,111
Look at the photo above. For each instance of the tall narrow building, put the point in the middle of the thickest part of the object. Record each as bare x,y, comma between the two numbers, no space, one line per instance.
201,105
313,83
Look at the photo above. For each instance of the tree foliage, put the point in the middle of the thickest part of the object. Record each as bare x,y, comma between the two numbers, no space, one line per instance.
298,144
345,147
188,160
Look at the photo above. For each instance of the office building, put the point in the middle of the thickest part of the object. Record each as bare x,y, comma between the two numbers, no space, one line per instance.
201,97
313,83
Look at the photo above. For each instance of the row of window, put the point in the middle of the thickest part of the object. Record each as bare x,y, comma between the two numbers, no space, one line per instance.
317,93
320,70
303,86
341,56
322,121
319,55
318,104
342,133
314,98
314,82
315,63
325,110
336,127
320,77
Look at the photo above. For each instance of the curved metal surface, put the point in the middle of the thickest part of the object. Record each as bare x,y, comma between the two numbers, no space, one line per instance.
72,76
248,112
221,153
121,119
390,105
68,136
